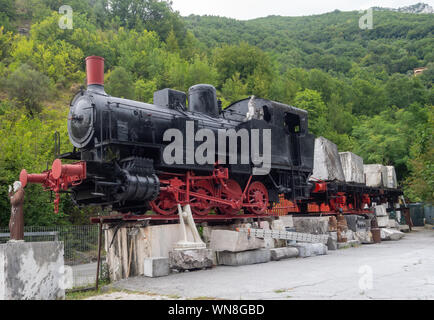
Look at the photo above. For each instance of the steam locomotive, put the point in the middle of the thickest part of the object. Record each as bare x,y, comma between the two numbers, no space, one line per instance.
120,150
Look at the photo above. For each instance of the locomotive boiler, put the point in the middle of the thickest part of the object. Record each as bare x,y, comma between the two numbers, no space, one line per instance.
119,150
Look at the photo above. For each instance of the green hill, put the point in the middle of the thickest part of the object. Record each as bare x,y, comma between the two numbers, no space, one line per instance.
398,42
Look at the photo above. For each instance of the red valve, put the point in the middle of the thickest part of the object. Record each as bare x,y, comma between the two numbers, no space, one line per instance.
60,177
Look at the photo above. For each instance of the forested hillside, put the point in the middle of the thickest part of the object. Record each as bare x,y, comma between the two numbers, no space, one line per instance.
358,85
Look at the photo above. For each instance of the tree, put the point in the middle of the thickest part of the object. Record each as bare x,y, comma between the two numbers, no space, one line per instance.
403,91
243,59
8,8
311,101
29,87
386,138
6,42
144,91
120,83
234,89
172,42
200,71
27,142
151,15
419,186
369,97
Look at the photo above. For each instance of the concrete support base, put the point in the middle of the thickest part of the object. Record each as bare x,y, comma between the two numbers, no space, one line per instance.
244,258
332,243
311,249
126,256
364,237
283,253
32,271
156,267
182,260
391,234
233,241
312,225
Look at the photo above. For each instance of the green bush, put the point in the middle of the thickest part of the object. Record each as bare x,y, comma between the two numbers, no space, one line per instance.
29,87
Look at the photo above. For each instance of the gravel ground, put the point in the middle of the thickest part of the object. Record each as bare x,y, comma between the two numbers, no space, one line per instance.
391,270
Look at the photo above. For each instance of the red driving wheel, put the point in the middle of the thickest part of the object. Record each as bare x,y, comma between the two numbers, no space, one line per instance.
257,196
200,206
165,204
233,193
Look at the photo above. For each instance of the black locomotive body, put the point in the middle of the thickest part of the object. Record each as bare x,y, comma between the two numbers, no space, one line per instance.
120,154
121,142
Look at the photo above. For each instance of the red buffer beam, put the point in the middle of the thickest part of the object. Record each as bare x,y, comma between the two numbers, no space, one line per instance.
60,178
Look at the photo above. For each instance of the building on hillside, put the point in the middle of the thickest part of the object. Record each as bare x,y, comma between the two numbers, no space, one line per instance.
419,71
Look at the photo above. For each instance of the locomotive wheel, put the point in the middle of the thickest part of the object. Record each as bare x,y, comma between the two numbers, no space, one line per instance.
201,207
234,193
257,195
165,204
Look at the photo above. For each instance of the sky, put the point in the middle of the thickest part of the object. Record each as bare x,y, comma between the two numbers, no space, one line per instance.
250,9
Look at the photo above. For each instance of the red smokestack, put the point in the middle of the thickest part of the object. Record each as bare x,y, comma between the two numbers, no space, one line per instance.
95,70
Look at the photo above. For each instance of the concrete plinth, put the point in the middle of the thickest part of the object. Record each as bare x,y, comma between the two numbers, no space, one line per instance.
365,237
357,223
381,210
393,224
287,221
283,253
391,234
349,235
310,249
312,225
233,241
156,267
244,258
332,243
32,271
383,222
182,260
126,256
207,231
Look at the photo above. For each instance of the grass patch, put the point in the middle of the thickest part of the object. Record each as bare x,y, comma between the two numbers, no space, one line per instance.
81,295
280,291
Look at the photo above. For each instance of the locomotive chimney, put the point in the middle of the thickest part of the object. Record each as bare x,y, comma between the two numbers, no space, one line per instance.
95,71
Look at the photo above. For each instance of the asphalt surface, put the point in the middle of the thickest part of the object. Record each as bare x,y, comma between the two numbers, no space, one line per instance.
391,270
84,274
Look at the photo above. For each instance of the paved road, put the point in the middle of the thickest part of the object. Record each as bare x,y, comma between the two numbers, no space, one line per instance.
84,274
391,270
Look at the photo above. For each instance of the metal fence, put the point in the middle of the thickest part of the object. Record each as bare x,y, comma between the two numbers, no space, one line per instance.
80,248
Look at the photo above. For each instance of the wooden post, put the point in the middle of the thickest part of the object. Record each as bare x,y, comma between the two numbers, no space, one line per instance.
99,254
